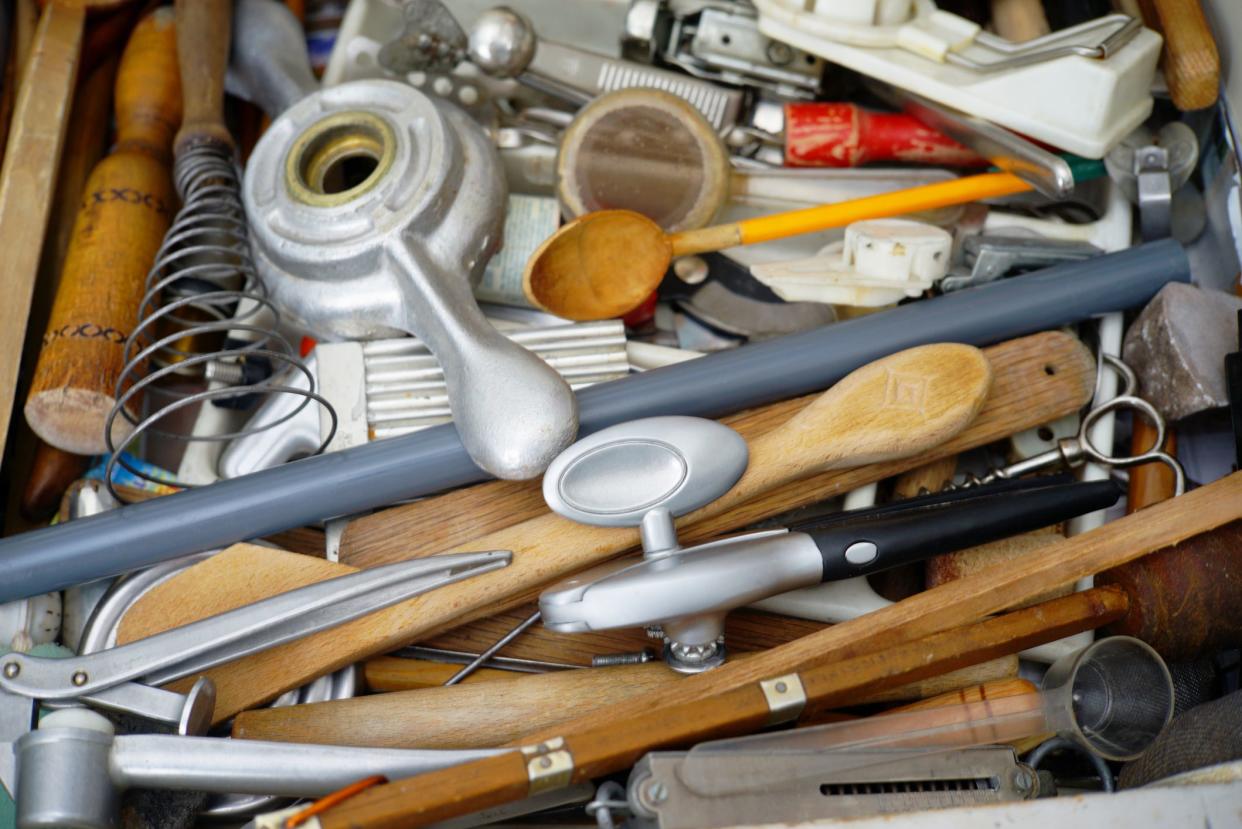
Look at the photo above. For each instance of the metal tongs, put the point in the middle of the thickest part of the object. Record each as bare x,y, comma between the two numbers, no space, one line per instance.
124,678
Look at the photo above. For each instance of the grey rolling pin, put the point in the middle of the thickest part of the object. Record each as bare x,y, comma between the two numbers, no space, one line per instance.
432,460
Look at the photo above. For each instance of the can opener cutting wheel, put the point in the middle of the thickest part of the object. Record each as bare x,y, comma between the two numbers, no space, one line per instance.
71,769
646,472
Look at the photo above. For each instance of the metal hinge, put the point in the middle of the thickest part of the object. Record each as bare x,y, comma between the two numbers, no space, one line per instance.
786,698
549,765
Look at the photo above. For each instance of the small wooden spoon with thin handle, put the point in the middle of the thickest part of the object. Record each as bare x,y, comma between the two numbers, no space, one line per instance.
606,263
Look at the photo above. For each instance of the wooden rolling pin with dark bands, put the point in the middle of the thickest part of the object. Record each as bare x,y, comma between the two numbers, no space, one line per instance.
127,205
1184,601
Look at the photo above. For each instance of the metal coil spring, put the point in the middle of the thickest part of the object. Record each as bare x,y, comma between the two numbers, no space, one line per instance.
204,311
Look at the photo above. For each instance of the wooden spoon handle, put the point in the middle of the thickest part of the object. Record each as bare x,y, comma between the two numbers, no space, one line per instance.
203,28
812,219
896,407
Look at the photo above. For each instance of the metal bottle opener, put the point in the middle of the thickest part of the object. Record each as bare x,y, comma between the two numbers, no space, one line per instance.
648,471
373,211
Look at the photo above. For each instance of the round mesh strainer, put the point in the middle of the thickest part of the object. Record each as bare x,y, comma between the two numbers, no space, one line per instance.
643,150
1115,696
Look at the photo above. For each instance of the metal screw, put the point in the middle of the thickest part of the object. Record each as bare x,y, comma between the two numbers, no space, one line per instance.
657,792
691,654
779,52
545,762
230,374
655,632
1022,780
12,669
781,687
608,660
79,678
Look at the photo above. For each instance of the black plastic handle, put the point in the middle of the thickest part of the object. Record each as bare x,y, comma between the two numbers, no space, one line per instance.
862,544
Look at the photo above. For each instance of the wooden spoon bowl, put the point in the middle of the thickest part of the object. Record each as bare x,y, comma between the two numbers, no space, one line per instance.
598,266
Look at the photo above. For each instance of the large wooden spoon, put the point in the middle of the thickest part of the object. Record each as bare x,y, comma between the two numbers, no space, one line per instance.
606,263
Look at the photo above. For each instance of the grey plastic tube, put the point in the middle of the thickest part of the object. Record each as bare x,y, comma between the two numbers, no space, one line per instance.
382,472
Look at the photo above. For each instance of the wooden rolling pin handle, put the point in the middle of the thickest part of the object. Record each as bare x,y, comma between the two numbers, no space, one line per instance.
203,54
148,90
1190,60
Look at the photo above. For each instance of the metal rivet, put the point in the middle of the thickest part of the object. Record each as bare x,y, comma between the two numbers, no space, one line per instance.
79,678
782,687
12,669
545,762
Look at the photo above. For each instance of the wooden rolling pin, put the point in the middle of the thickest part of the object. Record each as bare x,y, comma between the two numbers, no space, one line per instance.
1184,601
499,711
610,743
1037,379
1190,60
127,207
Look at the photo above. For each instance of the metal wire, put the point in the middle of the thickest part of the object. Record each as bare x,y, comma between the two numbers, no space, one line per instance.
204,306
1037,755
609,797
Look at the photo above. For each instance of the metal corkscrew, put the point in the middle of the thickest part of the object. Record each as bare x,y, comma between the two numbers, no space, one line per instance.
1075,451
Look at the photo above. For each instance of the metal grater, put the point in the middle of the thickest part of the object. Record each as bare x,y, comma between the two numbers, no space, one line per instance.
795,786
566,65
383,388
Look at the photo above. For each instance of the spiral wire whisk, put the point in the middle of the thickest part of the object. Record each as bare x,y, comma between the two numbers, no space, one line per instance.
205,307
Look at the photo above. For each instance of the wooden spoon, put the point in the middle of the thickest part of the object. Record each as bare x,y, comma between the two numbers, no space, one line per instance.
606,263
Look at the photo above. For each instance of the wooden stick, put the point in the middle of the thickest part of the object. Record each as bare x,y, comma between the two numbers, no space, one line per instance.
127,209
610,743
1190,59
500,711
28,179
1150,483
386,674
1038,379
745,630
203,55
